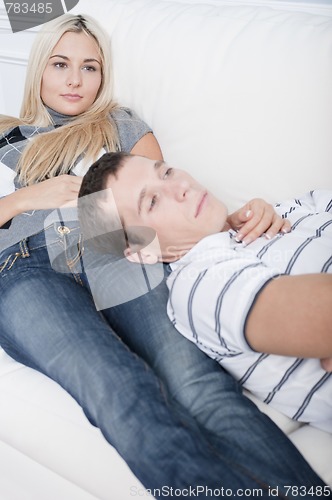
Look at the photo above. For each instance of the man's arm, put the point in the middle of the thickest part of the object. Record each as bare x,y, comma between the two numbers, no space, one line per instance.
292,316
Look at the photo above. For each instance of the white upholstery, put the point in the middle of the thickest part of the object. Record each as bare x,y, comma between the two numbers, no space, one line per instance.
239,94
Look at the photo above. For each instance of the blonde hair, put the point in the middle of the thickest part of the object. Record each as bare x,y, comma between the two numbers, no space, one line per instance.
55,152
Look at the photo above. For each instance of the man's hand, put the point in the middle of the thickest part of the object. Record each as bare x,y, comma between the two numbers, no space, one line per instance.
257,217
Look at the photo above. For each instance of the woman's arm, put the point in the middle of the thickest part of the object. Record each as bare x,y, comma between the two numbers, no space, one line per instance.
61,190
148,146
292,316
52,193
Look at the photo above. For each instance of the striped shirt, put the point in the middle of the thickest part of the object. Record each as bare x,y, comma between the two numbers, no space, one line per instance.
214,286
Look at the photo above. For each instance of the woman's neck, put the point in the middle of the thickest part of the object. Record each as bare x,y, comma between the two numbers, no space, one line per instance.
59,118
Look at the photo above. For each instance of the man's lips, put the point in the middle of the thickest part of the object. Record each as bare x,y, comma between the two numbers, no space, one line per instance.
200,204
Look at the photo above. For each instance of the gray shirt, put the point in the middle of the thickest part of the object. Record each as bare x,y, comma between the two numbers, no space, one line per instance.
130,130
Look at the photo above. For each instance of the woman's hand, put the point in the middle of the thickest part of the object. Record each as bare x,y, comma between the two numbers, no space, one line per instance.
52,193
257,217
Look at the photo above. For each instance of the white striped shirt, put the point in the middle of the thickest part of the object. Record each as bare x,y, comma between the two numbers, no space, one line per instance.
214,286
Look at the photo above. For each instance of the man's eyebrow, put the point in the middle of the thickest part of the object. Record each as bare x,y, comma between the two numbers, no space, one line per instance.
157,165
88,59
140,200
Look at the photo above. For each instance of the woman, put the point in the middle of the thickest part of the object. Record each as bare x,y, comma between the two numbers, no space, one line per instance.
48,319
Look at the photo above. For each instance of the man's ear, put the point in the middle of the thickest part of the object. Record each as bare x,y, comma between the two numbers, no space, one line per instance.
141,256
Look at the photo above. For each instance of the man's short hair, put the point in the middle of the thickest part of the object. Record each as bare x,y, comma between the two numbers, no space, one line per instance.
104,230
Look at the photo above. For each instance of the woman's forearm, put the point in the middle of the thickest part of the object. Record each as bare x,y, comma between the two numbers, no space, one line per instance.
52,193
10,206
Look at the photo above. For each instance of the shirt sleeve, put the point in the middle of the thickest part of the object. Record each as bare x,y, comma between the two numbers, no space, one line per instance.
317,201
130,128
210,304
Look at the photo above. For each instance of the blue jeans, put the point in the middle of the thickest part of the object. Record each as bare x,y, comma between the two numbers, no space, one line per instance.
176,418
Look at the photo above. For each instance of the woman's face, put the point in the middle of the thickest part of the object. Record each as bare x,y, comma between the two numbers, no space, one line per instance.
73,74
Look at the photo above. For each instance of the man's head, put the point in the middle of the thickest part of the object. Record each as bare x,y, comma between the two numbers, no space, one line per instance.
151,194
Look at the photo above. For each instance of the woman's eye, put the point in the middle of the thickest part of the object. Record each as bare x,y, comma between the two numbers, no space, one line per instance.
89,68
60,65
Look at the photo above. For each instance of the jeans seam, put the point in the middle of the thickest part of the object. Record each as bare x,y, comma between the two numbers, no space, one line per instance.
72,262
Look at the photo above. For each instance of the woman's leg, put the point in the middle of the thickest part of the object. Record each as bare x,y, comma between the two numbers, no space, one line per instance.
49,322
212,396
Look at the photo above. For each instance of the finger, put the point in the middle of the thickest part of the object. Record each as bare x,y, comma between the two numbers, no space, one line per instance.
253,234
253,228
267,222
244,215
279,225
287,226
275,228
238,218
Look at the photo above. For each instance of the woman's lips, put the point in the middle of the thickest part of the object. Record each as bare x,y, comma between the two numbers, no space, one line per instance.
200,204
72,97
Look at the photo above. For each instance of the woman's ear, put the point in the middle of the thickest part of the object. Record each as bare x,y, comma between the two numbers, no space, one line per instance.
141,256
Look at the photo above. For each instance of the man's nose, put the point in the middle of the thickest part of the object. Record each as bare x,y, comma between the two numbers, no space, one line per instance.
177,190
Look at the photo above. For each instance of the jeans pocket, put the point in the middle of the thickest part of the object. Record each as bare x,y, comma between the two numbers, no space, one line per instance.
8,262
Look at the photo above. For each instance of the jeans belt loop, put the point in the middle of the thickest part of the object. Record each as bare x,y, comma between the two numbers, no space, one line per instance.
24,249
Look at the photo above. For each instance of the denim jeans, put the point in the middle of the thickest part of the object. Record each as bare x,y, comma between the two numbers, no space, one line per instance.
174,415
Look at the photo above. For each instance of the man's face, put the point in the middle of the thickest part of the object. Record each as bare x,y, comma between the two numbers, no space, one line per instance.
181,211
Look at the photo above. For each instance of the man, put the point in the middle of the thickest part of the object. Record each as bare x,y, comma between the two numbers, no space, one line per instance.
260,307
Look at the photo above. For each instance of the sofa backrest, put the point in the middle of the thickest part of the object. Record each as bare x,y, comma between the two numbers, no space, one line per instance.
238,94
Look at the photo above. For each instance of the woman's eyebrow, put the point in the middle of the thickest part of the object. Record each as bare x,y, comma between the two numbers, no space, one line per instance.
88,59
60,55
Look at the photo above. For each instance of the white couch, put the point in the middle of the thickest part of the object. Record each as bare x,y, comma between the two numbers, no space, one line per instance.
240,94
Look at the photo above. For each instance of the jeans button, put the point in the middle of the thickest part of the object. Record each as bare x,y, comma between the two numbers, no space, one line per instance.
63,230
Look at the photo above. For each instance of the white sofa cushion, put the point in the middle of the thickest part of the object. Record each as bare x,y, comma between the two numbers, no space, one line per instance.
43,430
239,95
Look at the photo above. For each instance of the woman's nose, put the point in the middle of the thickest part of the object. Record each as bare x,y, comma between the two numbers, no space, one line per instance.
74,79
